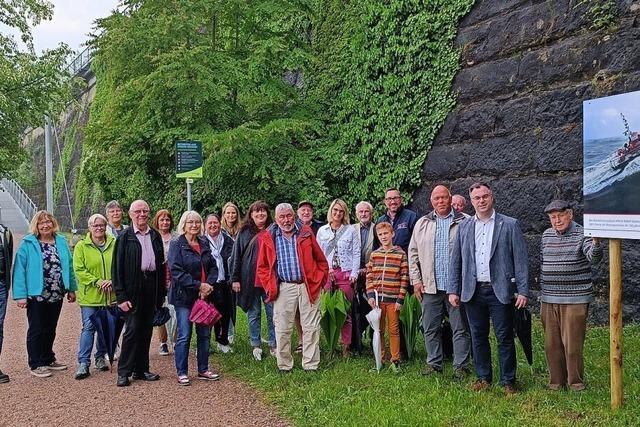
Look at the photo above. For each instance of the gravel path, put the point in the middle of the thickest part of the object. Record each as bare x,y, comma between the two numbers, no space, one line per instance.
62,400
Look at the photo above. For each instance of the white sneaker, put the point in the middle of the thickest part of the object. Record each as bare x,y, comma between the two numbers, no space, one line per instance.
41,372
257,353
224,348
231,338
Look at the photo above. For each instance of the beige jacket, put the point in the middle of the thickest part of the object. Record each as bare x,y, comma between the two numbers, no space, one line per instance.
422,250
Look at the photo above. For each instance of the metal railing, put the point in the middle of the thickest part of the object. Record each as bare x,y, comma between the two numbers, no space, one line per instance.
81,61
24,202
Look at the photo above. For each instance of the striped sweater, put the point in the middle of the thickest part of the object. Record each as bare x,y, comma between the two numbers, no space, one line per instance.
388,273
566,269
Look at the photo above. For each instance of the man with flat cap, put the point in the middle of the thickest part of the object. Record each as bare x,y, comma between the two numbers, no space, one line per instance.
305,216
566,257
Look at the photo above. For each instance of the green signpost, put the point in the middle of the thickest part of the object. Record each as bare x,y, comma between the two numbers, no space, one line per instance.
189,161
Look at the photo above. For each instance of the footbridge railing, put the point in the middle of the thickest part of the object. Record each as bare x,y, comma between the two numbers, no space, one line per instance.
22,199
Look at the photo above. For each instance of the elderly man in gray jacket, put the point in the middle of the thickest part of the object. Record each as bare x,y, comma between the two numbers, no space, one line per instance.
488,271
429,253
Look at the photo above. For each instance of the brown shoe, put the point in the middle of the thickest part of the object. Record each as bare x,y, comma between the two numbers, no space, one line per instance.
481,385
510,389
577,387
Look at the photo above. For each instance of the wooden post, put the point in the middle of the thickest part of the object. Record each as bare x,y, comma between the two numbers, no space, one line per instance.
615,321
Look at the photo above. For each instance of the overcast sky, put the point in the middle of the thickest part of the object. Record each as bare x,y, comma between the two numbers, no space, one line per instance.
602,116
72,21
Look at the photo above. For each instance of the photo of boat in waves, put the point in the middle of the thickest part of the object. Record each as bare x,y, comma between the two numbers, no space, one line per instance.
611,180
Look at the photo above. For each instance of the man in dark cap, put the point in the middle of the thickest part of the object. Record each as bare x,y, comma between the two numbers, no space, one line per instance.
566,293
305,216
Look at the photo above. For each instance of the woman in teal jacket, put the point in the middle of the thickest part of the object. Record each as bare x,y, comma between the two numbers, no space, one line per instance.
42,275
92,264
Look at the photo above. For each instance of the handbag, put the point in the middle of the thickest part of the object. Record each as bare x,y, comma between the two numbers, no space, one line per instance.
204,313
161,316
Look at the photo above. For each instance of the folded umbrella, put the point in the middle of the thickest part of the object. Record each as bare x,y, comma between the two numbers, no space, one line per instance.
522,329
374,320
108,323
359,309
410,320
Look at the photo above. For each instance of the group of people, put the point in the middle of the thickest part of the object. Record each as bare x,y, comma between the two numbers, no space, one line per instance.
472,269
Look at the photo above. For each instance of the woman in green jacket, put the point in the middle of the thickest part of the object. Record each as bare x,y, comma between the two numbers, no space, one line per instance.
92,265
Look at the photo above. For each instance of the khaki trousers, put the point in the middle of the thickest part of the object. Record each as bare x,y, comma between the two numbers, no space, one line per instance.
564,331
293,297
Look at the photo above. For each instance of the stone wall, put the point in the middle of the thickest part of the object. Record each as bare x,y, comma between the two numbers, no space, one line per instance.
527,66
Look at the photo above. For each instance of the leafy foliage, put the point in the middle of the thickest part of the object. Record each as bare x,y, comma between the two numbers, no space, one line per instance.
293,99
197,69
31,85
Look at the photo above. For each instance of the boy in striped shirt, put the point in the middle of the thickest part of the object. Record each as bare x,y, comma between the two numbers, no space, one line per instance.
388,273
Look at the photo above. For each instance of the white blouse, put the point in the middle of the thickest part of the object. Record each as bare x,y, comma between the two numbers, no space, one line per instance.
348,247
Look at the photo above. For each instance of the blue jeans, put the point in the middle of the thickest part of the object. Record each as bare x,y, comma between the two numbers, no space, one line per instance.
184,339
3,310
255,318
86,337
484,306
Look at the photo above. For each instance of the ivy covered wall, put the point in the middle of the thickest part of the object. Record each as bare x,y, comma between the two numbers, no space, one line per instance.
367,87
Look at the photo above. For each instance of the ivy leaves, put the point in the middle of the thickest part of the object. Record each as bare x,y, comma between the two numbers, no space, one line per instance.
394,89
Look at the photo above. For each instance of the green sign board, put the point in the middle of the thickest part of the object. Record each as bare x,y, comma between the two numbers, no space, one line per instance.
189,159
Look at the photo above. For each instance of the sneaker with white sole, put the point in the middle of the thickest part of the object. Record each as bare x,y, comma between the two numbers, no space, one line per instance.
41,372
164,349
231,338
272,351
257,353
55,366
224,348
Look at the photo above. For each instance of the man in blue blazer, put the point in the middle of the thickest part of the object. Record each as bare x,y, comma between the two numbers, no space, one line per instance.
488,270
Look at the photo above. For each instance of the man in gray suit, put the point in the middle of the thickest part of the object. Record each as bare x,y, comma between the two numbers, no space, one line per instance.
488,267
365,232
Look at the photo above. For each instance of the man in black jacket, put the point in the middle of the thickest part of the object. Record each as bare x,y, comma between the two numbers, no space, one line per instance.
6,256
138,279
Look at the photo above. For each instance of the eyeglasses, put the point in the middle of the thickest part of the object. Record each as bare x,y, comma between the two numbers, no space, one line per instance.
483,197
389,199
99,226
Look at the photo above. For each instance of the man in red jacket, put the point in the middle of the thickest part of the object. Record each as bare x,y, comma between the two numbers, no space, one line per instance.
292,268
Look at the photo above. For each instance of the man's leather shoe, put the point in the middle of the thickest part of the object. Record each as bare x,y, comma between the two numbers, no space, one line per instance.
146,376
123,381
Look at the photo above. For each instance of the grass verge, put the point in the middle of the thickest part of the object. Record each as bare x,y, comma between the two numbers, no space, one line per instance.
344,392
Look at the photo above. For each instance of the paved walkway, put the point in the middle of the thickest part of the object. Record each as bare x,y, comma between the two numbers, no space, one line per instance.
10,215
61,400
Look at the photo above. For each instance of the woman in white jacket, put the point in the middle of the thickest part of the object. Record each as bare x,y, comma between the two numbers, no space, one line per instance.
341,246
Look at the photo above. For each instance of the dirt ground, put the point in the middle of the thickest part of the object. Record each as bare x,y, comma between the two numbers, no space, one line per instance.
61,400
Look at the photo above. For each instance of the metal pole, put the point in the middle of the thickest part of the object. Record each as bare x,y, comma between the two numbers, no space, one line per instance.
615,321
48,164
189,182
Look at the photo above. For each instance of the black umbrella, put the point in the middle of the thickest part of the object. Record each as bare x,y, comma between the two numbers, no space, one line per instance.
359,309
108,323
522,329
